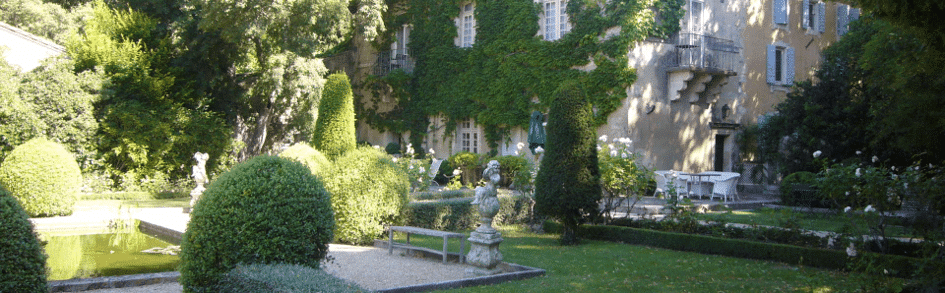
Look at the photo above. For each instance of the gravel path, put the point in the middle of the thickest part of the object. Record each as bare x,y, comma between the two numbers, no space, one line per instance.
371,268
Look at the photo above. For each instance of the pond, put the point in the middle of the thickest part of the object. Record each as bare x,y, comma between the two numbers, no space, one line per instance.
107,254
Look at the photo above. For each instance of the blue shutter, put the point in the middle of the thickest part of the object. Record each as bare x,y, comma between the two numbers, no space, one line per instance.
789,66
805,20
780,12
854,14
842,19
821,16
771,65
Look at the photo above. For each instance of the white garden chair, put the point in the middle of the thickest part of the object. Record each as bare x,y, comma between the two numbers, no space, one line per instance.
725,186
663,179
435,169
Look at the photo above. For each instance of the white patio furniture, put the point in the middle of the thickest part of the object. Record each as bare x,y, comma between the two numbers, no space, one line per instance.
725,186
435,169
663,178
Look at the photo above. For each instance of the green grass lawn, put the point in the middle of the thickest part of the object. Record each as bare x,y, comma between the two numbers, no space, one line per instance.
598,266
808,221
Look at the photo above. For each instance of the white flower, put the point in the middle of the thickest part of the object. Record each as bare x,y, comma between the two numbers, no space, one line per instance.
395,159
817,154
420,179
598,148
859,153
893,168
515,153
411,167
520,145
858,172
851,250
869,208
457,172
377,147
602,138
422,170
613,153
848,194
847,210
875,159
539,150
894,176
432,152
624,155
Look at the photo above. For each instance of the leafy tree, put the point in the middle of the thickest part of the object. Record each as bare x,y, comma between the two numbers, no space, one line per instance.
18,120
334,130
45,19
568,184
919,15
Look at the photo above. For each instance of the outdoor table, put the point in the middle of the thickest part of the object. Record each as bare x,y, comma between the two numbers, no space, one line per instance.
700,179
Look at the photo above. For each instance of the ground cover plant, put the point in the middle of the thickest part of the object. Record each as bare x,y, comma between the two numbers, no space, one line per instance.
265,278
600,266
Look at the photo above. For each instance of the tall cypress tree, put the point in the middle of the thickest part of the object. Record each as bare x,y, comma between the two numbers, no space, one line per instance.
568,184
334,129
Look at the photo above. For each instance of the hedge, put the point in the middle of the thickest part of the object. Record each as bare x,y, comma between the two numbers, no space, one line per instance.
459,214
814,257
22,261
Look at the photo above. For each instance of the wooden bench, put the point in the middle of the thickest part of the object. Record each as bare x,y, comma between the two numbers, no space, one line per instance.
428,232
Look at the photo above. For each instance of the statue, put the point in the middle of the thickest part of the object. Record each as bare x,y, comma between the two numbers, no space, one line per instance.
484,249
200,176
536,131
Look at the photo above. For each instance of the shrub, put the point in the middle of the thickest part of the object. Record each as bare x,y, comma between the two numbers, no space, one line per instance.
367,189
265,210
265,278
43,176
510,166
568,183
22,261
308,156
469,164
797,189
334,129
392,148
459,214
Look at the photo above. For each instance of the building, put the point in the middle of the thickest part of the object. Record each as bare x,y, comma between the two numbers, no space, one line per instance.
25,50
729,64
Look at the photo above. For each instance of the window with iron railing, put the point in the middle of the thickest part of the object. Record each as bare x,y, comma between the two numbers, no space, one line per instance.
703,52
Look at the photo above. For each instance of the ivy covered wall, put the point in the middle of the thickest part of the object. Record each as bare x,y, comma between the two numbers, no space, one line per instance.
510,70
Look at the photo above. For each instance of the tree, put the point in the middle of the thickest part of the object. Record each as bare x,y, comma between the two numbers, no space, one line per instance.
277,66
568,184
920,15
334,130
45,19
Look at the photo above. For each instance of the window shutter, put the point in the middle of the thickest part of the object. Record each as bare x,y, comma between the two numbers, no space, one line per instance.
842,19
854,14
771,65
789,65
821,16
805,20
780,12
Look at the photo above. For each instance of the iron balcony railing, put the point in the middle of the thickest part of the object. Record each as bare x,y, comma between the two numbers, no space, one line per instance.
388,61
703,52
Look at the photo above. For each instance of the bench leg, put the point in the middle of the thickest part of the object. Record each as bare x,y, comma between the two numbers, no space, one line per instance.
390,242
408,238
445,242
462,250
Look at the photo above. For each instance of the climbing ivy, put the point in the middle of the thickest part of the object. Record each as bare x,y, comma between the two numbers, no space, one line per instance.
496,80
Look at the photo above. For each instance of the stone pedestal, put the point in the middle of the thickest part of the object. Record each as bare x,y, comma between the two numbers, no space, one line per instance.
484,249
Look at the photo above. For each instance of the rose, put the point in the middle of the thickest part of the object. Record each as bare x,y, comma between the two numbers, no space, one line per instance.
817,154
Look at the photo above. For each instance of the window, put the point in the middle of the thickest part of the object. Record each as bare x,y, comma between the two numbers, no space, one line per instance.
780,12
845,15
469,136
555,19
467,26
780,65
814,17
399,47
696,16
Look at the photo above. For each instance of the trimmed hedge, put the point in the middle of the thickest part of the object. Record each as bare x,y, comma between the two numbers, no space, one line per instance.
266,278
459,214
509,166
814,257
334,130
43,176
22,261
308,156
265,210
368,189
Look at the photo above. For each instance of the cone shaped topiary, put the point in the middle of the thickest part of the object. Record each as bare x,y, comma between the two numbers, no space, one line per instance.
43,176
334,129
308,156
265,210
568,184
22,261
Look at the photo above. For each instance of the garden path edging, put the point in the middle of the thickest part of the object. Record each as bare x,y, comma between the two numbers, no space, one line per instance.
112,282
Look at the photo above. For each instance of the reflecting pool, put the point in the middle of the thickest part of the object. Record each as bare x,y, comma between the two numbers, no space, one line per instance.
109,254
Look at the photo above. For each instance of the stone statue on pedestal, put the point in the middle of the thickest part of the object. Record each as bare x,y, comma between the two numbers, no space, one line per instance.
484,251
200,176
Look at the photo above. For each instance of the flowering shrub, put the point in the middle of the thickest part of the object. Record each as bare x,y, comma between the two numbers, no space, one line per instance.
620,175
416,169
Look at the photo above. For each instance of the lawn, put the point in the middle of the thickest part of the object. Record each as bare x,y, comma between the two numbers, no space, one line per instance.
598,266
809,221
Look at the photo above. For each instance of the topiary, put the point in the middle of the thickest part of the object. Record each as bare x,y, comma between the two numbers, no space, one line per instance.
22,261
43,176
308,156
568,183
265,210
367,190
334,129
511,166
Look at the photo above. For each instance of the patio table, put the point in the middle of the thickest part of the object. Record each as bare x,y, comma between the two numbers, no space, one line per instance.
701,180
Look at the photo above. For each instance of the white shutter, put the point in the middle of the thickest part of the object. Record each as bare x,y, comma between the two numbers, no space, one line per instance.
780,12
821,17
842,19
789,66
771,65
805,20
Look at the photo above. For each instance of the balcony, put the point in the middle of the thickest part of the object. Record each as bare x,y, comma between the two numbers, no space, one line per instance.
388,61
699,66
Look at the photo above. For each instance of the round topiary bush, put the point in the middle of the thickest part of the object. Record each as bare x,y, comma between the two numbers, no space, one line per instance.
22,261
568,184
367,190
308,156
43,176
334,129
265,210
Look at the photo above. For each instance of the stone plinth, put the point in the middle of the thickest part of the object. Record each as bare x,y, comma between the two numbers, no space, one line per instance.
484,249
